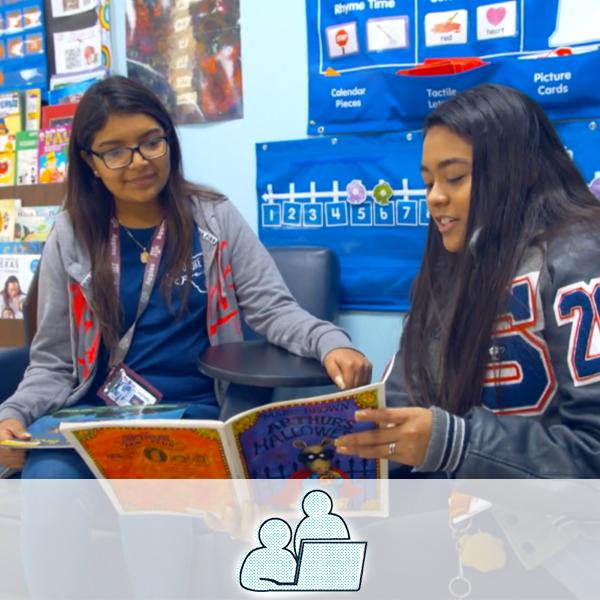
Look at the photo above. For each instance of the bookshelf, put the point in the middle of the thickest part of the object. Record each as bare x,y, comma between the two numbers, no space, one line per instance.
12,332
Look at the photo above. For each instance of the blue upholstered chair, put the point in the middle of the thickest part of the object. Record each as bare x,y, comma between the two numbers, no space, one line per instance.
259,372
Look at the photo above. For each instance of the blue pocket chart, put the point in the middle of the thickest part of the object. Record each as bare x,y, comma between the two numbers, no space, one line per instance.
360,196
363,197
355,49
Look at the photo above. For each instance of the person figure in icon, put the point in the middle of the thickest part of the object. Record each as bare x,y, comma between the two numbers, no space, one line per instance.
319,523
273,561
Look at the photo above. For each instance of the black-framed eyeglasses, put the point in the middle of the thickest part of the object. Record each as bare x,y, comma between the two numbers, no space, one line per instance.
121,157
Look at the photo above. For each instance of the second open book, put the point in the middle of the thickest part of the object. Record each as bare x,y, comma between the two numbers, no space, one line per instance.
282,440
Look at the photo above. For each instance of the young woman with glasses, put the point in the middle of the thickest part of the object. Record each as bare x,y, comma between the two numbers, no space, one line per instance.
147,269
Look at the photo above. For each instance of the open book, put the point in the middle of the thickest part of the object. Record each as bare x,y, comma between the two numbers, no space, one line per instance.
45,431
282,440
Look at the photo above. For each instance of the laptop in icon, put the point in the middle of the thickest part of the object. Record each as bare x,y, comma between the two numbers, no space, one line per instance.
327,566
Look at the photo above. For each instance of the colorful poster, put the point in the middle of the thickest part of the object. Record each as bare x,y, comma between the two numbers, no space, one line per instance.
362,56
188,52
78,50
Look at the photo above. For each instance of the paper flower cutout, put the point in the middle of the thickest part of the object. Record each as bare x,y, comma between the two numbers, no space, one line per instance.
382,193
356,192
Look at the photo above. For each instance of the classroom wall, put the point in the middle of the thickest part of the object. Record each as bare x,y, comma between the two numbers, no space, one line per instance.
274,70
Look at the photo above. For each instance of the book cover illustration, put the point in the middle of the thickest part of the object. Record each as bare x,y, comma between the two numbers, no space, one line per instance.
11,112
291,447
45,431
27,158
53,146
7,159
58,115
34,223
33,109
186,449
8,217
21,247
283,440
16,274
296,440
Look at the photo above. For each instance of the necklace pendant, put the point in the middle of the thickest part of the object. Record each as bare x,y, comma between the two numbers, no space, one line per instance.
144,257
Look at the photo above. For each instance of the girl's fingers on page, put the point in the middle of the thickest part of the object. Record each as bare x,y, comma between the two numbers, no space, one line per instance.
372,437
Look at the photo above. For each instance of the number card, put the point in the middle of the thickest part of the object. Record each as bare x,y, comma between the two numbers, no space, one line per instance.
271,215
292,214
336,214
361,215
384,215
313,215
406,212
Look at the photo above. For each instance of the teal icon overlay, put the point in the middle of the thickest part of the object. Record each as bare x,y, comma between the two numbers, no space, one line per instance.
324,559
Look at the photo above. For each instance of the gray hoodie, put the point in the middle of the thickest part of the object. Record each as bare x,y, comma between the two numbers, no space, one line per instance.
241,278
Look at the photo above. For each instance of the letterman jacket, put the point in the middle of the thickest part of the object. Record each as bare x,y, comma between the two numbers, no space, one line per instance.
241,278
545,358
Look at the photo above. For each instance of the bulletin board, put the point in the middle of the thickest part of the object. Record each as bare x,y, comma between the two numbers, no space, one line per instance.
358,52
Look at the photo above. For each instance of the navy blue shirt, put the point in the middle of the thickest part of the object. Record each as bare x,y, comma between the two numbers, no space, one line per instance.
166,345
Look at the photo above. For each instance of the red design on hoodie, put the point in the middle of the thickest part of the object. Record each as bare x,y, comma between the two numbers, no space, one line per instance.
219,313
84,321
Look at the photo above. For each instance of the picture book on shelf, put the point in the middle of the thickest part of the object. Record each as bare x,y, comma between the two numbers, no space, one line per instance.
53,147
58,115
16,274
11,112
283,440
27,157
8,217
34,223
7,159
33,109
21,247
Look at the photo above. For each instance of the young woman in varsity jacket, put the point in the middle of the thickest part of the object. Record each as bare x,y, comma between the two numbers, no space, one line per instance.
130,216
498,374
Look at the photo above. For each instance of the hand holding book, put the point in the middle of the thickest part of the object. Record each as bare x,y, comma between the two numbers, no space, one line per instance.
11,432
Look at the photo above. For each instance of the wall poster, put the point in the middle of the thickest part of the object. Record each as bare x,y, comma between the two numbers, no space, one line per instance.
189,53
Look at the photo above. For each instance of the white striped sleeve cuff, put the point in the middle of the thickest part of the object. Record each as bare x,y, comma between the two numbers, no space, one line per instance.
447,444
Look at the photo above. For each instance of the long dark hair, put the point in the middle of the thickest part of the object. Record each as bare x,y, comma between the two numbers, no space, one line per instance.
525,190
91,206
10,279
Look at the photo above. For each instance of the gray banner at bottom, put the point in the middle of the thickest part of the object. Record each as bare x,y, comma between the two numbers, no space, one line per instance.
299,539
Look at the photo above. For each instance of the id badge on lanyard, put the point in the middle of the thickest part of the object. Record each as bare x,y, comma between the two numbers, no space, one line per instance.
123,386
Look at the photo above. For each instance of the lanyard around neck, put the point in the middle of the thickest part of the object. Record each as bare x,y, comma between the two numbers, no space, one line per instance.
150,272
